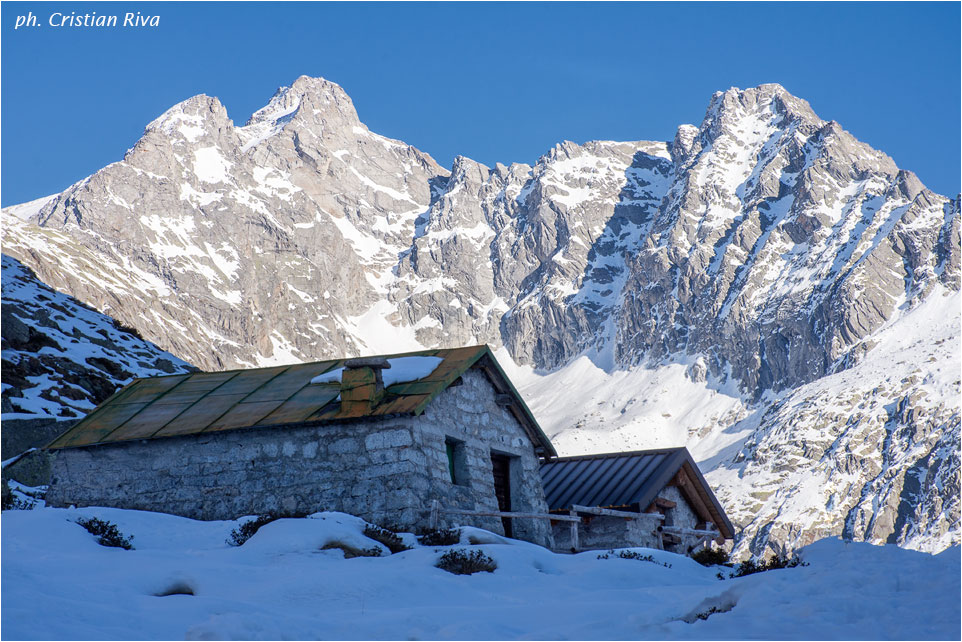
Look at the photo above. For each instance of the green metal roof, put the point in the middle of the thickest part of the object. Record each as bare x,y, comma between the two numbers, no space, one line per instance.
207,402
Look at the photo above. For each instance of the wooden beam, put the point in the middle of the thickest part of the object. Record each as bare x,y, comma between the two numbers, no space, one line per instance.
691,494
575,545
674,530
504,399
593,510
661,502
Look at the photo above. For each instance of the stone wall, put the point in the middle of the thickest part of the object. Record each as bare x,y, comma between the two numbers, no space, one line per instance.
603,532
386,471
681,516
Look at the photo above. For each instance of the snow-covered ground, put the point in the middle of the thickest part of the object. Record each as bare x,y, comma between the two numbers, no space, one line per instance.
58,583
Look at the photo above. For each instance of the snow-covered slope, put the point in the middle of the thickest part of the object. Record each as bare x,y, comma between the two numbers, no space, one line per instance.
61,358
683,292
58,583
870,452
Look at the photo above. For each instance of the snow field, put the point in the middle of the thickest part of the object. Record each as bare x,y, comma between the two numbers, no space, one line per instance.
281,585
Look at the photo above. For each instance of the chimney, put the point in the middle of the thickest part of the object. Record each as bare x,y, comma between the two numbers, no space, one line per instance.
362,386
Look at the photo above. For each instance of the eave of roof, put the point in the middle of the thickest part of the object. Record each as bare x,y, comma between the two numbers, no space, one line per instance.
207,402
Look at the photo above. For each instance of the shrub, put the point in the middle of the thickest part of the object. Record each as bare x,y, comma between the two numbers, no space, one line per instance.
19,498
352,551
12,502
711,557
442,537
126,328
107,533
386,537
749,567
633,555
246,530
461,562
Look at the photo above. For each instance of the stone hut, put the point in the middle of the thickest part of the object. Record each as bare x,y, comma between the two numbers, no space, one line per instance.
651,498
378,437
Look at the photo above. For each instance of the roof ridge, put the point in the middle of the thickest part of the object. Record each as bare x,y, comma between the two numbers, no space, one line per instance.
627,453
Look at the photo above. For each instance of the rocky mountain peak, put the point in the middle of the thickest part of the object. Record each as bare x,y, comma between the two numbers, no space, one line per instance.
189,120
312,100
683,147
766,246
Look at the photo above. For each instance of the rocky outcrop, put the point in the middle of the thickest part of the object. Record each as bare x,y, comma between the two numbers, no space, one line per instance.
61,358
763,251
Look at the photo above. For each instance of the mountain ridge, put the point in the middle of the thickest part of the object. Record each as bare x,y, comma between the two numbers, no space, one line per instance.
759,252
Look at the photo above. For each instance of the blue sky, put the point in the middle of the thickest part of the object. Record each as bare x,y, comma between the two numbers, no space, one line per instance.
495,82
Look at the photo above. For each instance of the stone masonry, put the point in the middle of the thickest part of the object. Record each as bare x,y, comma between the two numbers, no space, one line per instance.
386,471
617,532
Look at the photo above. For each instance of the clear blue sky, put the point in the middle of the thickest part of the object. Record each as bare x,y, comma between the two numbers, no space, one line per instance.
495,82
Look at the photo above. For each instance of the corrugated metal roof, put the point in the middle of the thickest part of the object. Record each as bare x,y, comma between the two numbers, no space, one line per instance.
282,395
624,479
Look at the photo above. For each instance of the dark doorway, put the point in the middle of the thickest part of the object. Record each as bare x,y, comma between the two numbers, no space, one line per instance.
501,465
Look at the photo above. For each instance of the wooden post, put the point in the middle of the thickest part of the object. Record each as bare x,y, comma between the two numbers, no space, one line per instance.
574,532
435,509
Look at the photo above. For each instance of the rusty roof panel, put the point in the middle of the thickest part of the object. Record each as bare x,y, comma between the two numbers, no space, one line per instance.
302,405
148,421
194,388
146,390
244,415
455,362
401,405
413,388
200,415
284,385
93,428
247,381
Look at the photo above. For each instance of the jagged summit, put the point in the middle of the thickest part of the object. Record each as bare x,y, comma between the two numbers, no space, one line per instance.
760,253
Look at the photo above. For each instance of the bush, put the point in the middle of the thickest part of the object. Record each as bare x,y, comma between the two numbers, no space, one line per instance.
711,557
352,551
19,498
107,533
749,567
122,327
246,530
442,537
461,562
386,537
633,555
12,502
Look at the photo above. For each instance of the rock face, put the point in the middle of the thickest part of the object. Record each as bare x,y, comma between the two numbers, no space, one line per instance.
763,249
61,358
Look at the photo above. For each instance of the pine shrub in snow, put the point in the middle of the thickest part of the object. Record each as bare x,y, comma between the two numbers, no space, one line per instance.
461,562
18,497
386,537
351,552
442,537
633,555
711,557
107,533
749,567
246,530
